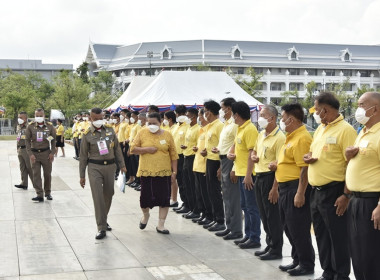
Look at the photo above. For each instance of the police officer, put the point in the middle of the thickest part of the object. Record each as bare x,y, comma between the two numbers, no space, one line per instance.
23,158
40,146
100,150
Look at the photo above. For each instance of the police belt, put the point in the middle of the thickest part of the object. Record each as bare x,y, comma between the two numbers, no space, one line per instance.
102,162
40,150
366,194
21,147
329,185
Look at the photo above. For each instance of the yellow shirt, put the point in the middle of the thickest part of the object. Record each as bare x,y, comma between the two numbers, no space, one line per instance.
134,129
116,128
212,138
200,161
290,159
179,136
159,163
191,139
363,171
127,131
268,148
329,146
75,129
245,140
82,128
227,136
121,134
60,130
165,127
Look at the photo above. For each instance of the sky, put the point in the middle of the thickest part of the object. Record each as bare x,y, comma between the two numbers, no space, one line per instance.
59,31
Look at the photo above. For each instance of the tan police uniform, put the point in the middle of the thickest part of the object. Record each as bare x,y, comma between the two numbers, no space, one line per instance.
40,142
23,158
100,150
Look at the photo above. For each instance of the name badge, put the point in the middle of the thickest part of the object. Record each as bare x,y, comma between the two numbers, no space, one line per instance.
40,136
238,140
23,137
102,145
18,136
181,133
109,133
163,142
363,144
209,135
331,140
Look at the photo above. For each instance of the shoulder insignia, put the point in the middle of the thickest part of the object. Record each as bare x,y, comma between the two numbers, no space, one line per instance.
49,123
87,131
32,122
108,125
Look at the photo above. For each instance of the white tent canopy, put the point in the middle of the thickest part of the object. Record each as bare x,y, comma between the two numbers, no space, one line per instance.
185,87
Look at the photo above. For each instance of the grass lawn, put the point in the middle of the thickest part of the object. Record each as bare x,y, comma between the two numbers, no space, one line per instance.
8,137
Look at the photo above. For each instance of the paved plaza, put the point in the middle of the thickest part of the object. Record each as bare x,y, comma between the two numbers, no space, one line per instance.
55,239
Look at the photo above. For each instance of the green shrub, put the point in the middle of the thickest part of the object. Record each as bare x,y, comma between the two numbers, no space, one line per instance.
68,134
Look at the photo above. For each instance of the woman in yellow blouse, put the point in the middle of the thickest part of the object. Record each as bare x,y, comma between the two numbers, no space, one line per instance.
60,139
157,169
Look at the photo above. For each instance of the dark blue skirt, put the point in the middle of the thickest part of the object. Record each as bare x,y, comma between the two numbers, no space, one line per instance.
155,191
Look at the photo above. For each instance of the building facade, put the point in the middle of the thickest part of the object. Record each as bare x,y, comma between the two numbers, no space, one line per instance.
22,66
283,66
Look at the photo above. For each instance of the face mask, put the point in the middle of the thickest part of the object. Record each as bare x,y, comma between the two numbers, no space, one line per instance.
166,122
204,116
98,123
317,118
20,121
132,120
263,122
39,119
114,121
122,118
139,122
153,128
188,121
85,119
360,115
181,119
221,114
282,125
127,120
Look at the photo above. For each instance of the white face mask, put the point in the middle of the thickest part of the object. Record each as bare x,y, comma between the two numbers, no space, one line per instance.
166,122
127,120
204,116
317,118
282,125
199,121
139,122
20,121
98,123
263,122
122,118
188,121
85,119
181,119
360,115
114,121
39,119
221,114
132,120
153,128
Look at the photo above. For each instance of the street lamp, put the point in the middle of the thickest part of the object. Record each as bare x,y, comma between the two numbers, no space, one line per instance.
149,55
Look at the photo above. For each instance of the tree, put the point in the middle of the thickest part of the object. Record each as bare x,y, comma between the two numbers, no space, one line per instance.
345,100
71,94
202,67
252,85
15,92
82,71
308,102
43,90
104,89
289,94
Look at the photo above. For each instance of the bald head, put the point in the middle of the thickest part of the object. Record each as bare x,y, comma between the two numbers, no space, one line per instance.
369,99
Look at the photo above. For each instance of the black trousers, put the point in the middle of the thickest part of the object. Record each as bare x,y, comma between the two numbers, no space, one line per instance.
126,160
364,239
180,181
297,224
189,182
330,231
269,213
214,190
76,146
202,199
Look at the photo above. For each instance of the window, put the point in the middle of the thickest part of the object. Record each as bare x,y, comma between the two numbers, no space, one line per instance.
347,73
312,72
165,54
259,70
365,73
294,55
296,86
347,57
330,72
294,72
237,54
276,86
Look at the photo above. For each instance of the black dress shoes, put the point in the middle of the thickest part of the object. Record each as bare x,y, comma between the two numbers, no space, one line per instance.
174,204
196,220
165,231
101,234
244,239
262,252
324,278
203,222
108,227
299,271
38,199
138,188
178,208
249,244
183,210
270,256
188,213
192,215
288,267
21,187
232,236
49,197
222,233
217,227
206,226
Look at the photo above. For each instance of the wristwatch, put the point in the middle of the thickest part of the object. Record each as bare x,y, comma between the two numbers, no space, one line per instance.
348,195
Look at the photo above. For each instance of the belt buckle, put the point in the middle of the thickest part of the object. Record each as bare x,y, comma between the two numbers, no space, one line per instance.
39,150
105,162
318,188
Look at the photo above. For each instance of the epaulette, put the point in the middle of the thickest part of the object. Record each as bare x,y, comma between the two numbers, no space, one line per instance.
32,122
108,125
87,131
49,123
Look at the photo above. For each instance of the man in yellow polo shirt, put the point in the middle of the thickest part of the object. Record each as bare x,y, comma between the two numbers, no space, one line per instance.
241,152
362,178
294,199
82,127
179,133
326,173
214,128
121,136
115,117
191,138
267,149
75,131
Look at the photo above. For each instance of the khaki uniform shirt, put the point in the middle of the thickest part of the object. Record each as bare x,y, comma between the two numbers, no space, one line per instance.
89,147
40,137
21,129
